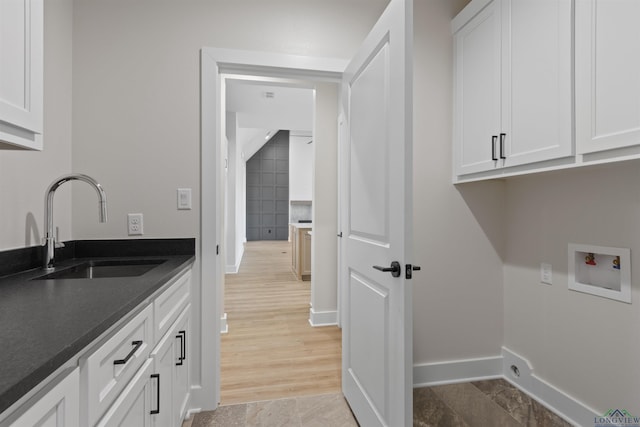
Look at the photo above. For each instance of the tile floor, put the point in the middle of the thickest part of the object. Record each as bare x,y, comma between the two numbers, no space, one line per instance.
492,403
314,411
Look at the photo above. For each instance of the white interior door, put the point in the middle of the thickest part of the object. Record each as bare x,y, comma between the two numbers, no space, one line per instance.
377,318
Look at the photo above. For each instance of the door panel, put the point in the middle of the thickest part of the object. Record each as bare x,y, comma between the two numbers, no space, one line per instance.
369,171
377,319
370,316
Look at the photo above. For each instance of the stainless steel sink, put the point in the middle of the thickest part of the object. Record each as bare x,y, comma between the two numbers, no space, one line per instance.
104,268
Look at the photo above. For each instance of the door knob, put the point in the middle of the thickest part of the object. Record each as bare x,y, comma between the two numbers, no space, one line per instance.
395,269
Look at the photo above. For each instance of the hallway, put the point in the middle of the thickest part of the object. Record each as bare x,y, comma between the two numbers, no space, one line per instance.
271,351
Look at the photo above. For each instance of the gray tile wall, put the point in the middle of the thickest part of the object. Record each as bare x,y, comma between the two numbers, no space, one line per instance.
268,190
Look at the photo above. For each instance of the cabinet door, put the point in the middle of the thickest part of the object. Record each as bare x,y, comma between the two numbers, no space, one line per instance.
165,356
607,74
292,230
536,81
172,365
306,260
135,404
295,244
182,383
58,408
477,91
21,76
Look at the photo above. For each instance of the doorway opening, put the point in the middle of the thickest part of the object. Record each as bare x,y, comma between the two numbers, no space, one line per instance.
321,74
271,348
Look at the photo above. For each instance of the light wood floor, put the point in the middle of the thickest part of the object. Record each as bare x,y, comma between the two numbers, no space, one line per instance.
271,351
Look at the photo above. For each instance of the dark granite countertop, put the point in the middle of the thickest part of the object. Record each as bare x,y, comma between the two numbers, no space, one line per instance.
45,323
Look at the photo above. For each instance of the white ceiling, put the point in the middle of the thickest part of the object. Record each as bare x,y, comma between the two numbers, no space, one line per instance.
289,108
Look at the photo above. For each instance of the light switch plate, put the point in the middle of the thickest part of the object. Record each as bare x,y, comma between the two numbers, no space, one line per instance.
184,198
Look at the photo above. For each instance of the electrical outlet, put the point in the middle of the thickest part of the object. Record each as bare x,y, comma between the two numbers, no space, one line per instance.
134,224
545,273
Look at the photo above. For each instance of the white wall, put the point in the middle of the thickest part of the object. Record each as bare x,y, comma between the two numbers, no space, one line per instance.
25,175
483,244
458,233
136,82
586,346
300,168
233,238
325,200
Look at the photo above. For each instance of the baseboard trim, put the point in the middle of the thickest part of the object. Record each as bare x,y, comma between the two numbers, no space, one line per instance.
190,413
323,318
457,371
224,326
233,269
548,395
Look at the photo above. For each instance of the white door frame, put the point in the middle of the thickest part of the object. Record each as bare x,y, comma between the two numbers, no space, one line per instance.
213,62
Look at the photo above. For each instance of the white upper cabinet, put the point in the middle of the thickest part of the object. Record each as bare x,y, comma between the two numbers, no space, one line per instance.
513,84
607,74
477,96
21,73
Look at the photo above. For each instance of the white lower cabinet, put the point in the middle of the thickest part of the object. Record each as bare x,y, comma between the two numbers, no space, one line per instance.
182,384
158,393
59,407
136,376
105,372
164,357
134,405
172,366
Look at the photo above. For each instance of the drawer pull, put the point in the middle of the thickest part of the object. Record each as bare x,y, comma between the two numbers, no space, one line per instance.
157,410
182,335
136,345
494,140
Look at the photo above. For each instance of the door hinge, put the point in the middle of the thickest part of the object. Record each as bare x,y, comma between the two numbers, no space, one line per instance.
409,271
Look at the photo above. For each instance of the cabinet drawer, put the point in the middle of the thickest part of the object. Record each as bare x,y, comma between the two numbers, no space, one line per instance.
106,372
134,405
168,306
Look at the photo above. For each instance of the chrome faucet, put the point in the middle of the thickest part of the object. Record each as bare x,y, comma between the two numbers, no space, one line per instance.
50,239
